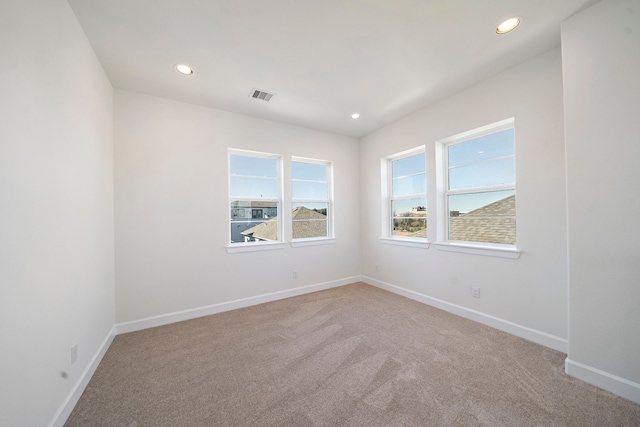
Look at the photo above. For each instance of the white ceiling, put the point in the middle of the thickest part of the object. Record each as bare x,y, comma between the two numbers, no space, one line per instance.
323,59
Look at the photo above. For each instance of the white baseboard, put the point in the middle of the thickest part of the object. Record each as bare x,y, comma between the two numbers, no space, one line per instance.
542,338
179,316
70,402
617,385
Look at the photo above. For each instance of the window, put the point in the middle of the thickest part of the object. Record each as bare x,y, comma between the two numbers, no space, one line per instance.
254,197
406,207
479,191
311,199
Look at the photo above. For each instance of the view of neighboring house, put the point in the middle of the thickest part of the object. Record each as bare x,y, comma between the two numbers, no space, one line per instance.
420,233
309,223
245,215
492,223
306,223
412,223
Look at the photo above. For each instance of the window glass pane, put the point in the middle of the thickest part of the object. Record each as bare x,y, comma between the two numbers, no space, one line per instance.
493,172
408,185
309,220
309,190
488,217
253,166
409,217
257,188
309,181
253,177
408,166
408,176
488,147
309,171
254,221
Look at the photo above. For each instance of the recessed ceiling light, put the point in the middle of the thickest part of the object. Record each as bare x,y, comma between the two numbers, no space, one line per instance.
508,25
355,115
184,69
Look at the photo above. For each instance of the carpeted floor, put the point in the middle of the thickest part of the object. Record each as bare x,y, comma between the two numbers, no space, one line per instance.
349,356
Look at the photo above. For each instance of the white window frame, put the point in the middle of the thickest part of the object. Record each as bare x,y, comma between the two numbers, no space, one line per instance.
255,246
387,236
330,237
442,187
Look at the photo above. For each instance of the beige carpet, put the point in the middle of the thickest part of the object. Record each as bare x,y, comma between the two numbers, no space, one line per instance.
350,356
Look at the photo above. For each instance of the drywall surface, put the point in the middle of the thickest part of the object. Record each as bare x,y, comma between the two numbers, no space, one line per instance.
172,209
601,62
56,214
530,291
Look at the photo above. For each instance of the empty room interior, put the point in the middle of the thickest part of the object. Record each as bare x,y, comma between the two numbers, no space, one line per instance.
329,174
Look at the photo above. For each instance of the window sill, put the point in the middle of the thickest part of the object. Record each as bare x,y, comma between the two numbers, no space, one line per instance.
413,243
486,250
254,247
312,242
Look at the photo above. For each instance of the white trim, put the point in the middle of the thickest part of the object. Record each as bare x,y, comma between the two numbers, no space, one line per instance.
442,178
179,316
297,243
486,250
414,243
330,195
407,153
251,153
254,247
622,387
484,189
70,402
279,200
538,337
61,416
310,160
387,197
479,132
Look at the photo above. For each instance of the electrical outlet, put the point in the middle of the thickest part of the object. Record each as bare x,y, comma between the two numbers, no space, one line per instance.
377,267
475,292
295,274
74,353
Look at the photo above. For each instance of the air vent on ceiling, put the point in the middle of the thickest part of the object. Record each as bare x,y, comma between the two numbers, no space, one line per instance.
260,94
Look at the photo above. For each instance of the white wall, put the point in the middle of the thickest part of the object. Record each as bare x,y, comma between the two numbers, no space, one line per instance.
56,209
57,221
171,208
530,292
601,62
